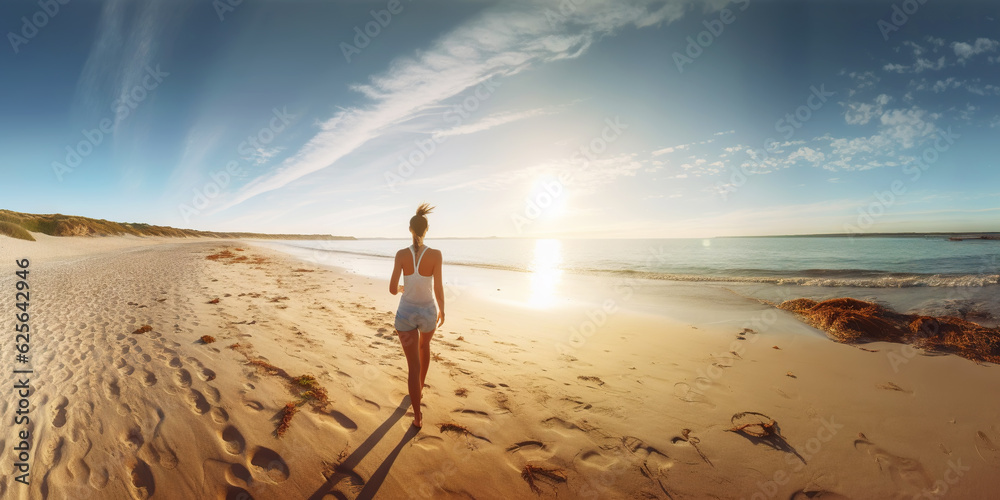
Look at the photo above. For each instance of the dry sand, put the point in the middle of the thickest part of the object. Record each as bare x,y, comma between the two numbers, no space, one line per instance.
640,409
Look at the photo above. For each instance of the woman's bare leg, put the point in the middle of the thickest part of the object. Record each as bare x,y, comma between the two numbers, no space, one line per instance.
411,348
425,356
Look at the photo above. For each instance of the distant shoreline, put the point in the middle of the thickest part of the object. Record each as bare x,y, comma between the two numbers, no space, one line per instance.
952,236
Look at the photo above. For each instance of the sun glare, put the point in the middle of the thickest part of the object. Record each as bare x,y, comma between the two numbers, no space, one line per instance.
545,272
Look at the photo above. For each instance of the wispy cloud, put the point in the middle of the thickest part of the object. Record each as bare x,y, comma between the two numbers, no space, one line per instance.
500,42
495,120
127,42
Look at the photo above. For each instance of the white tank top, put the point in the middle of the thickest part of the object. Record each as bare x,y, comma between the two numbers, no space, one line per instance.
417,288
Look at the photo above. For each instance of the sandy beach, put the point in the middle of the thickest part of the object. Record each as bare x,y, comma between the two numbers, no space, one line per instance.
605,403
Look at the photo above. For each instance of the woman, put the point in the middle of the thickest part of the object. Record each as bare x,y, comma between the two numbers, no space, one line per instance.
418,315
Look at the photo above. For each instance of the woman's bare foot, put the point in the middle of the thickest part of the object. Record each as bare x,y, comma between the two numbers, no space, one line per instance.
417,419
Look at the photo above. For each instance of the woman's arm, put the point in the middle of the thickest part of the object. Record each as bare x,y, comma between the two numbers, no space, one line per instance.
439,288
397,269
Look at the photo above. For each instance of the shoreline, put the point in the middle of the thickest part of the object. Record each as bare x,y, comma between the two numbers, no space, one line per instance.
608,408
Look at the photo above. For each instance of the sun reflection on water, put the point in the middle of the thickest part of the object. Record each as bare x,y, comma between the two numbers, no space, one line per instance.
545,272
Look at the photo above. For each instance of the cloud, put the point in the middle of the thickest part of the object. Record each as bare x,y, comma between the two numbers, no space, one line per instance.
808,154
906,126
862,80
126,43
672,149
494,120
860,113
499,42
965,51
919,66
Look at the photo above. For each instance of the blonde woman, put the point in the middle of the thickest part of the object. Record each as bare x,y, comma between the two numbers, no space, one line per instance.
421,306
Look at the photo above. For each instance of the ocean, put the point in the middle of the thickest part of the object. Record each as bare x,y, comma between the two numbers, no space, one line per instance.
928,275
820,261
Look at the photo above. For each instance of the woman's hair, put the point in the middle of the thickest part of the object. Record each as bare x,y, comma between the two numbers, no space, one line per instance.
418,223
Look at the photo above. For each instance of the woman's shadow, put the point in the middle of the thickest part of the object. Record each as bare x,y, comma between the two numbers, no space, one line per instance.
345,470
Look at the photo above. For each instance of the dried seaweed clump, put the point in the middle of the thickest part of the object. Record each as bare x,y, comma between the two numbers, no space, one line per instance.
532,474
453,427
207,339
225,254
143,329
753,424
857,321
286,418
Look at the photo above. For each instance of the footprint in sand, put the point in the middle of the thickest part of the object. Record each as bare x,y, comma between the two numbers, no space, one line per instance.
219,415
253,405
236,493
213,394
987,449
233,440
162,453
531,450
686,393
111,389
52,452
472,413
365,404
343,421
59,419
141,482
817,495
80,472
908,474
206,374
148,378
267,462
557,423
182,378
199,404
174,362
428,442
597,459
237,475
655,462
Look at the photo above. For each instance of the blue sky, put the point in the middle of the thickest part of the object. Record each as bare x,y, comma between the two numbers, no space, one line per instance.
515,118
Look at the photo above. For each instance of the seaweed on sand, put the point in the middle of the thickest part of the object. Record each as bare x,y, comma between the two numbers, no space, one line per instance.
534,473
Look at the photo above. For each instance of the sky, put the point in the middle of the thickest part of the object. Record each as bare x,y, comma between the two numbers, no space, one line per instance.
571,118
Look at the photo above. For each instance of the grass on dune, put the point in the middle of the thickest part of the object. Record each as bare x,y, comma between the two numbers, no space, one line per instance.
15,231
72,225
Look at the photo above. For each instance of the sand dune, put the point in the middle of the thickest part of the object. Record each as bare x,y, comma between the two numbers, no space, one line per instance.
645,407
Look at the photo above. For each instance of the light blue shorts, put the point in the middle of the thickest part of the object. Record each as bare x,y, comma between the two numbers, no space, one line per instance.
416,317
